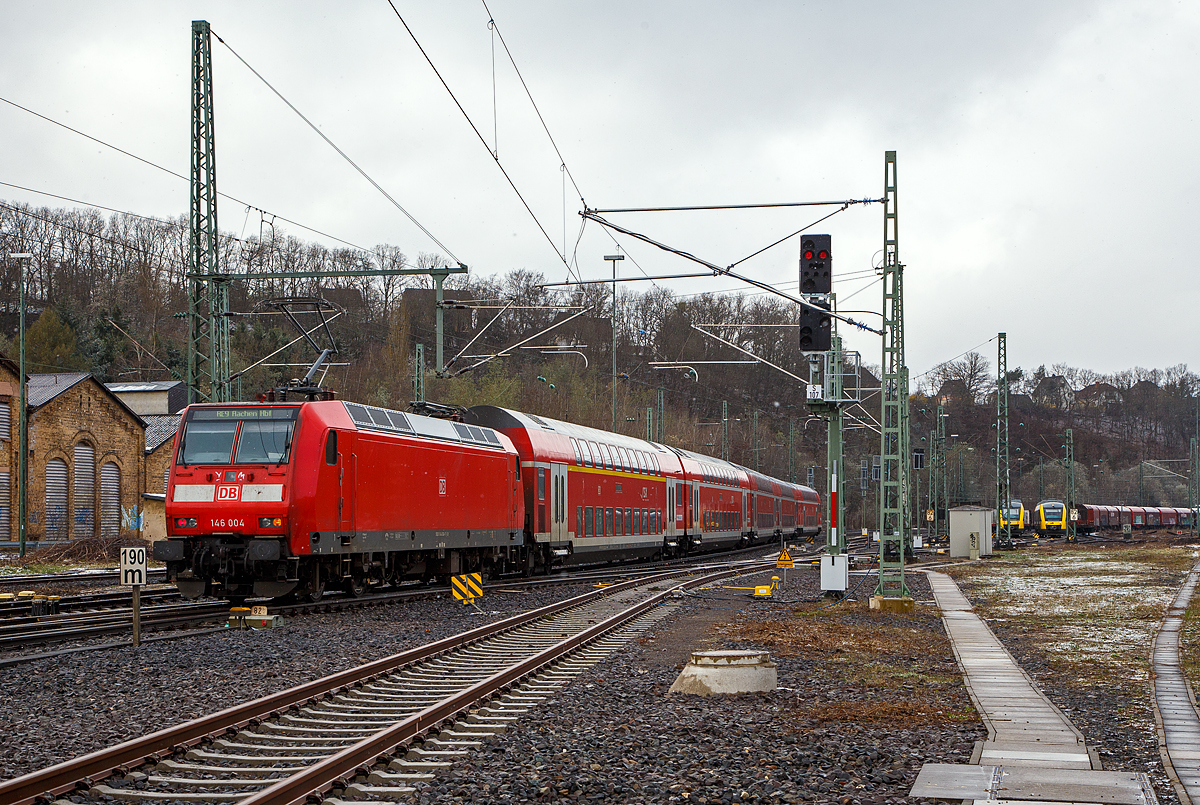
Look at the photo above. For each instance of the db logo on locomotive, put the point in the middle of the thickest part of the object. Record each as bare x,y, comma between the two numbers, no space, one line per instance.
228,492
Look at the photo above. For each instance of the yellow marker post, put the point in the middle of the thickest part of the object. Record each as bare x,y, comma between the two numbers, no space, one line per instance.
467,587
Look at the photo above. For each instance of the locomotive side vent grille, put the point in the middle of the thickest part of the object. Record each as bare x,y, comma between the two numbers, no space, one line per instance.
366,416
371,418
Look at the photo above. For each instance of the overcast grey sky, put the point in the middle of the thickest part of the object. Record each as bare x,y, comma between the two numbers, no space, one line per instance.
1048,168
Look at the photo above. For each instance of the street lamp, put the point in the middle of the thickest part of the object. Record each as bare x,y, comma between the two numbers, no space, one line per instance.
22,259
613,258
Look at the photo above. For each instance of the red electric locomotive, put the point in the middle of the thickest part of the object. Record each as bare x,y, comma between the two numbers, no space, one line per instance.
594,496
269,499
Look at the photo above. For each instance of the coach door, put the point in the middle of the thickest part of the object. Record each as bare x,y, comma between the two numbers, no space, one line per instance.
558,503
670,522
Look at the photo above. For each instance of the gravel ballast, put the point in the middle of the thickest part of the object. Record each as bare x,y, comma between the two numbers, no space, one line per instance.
864,700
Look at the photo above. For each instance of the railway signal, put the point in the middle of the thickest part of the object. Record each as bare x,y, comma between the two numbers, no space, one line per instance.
816,265
815,327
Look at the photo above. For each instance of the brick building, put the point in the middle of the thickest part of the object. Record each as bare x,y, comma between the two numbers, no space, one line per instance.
160,436
9,412
151,397
86,458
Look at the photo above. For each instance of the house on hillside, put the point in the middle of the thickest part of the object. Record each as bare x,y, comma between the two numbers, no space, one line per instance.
1054,392
954,391
1098,397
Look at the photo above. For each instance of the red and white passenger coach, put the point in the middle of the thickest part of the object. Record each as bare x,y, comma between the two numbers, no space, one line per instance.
271,499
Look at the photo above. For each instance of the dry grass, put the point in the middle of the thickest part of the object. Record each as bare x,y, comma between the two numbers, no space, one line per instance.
808,636
1090,613
89,551
889,713
884,670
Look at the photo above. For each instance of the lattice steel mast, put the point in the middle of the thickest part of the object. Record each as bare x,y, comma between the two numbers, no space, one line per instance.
1003,488
894,448
208,290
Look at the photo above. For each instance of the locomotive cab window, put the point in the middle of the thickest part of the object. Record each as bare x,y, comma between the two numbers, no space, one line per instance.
264,443
237,435
208,442
331,448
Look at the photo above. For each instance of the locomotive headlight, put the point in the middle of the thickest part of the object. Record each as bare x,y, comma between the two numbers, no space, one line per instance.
185,522
270,522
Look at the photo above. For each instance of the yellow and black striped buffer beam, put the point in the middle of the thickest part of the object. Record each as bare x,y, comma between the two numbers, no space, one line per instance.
467,587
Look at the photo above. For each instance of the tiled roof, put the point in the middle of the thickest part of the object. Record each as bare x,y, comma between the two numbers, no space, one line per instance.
160,429
44,388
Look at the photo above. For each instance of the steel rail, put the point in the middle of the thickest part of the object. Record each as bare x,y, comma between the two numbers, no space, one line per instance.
63,777
57,578
320,777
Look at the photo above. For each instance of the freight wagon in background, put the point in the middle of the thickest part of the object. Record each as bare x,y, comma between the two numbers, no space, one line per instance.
271,499
1094,518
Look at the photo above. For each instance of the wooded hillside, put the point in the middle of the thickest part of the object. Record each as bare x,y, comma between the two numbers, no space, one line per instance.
109,294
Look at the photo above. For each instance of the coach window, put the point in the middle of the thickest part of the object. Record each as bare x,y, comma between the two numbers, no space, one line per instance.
608,522
597,458
628,521
619,525
608,458
654,461
578,455
579,521
587,521
622,459
541,483
331,448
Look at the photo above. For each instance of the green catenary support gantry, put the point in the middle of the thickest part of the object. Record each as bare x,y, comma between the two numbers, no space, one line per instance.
1003,486
208,290
894,441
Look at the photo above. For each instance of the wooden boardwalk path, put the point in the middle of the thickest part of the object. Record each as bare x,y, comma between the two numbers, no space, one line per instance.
1033,753
1175,705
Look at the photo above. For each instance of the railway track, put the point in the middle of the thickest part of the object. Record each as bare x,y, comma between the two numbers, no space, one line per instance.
91,602
369,732
89,622
27,580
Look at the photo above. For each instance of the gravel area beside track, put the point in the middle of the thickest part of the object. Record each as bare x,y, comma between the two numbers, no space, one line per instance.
616,736
62,707
844,727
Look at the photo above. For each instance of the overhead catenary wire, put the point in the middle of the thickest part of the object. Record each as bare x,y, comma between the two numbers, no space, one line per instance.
480,136
342,153
719,270
171,173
